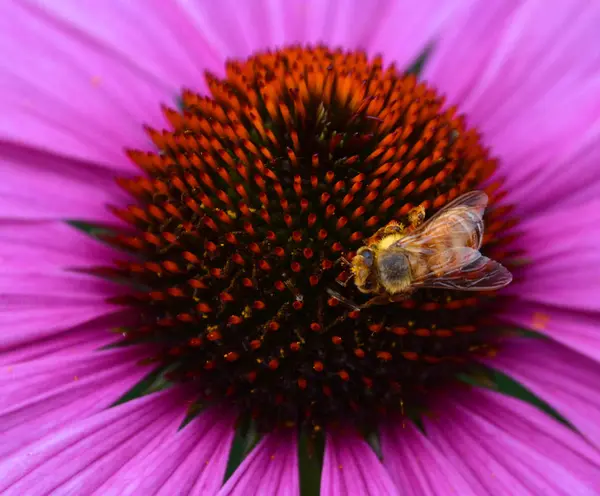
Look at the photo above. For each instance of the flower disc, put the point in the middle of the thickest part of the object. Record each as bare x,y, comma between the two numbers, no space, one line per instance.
246,209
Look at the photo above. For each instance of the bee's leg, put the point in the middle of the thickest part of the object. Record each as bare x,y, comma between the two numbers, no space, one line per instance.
376,300
392,227
340,298
342,260
398,297
344,282
416,216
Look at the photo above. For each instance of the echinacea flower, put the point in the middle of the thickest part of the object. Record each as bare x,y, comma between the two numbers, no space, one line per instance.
180,184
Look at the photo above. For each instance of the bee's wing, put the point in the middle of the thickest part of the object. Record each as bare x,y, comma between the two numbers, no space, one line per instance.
465,269
446,249
462,217
458,224
476,201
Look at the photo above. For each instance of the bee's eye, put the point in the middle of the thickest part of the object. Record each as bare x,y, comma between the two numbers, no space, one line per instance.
367,256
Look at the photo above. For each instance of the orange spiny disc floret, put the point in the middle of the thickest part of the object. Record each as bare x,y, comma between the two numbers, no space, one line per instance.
255,193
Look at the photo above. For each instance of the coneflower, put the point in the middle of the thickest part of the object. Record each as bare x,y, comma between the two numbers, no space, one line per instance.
194,328
241,218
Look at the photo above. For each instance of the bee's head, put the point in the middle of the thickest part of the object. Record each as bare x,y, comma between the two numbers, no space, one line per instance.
363,270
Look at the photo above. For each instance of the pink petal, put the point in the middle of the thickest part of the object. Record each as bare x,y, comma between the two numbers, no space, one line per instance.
191,461
398,29
26,379
156,37
45,308
41,395
73,285
86,337
511,447
83,455
563,258
560,160
529,82
236,30
26,323
271,468
567,380
404,29
36,245
74,96
38,185
351,467
418,468
576,329
470,41
500,43
37,306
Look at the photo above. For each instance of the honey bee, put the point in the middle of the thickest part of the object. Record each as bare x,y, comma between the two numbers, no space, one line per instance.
442,252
